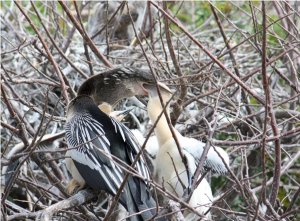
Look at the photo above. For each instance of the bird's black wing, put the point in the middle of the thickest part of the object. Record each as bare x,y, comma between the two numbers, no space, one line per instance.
138,194
133,147
90,150
94,151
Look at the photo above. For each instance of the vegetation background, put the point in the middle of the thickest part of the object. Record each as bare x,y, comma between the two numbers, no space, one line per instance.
235,67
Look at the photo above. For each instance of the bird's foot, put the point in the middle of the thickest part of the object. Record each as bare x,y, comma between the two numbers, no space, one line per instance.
74,186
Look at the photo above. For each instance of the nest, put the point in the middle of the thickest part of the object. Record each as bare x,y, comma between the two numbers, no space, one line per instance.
225,94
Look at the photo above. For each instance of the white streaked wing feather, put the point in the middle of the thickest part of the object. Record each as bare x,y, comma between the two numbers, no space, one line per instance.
92,134
133,143
213,161
114,178
83,158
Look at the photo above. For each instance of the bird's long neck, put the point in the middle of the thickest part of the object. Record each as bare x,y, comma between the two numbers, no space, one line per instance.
162,129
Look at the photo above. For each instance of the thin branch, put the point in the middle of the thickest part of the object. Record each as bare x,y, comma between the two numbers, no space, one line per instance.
86,38
270,113
55,65
215,59
183,89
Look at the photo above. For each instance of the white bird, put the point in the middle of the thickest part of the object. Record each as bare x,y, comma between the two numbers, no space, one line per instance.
202,195
169,169
151,145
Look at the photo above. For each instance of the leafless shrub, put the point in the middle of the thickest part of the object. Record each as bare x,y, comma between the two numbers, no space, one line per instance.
239,65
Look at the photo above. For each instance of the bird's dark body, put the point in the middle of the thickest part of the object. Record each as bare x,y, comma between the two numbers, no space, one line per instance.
136,196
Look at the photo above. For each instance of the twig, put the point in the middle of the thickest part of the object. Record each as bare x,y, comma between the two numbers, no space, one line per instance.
56,67
235,78
285,168
64,79
232,57
246,77
175,209
86,38
86,50
267,119
183,89
270,113
78,199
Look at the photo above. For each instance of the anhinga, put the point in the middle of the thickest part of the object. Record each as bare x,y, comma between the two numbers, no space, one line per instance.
107,89
169,168
100,146
201,198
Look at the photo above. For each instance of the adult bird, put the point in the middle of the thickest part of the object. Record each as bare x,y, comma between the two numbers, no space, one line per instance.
107,89
102,149
169,169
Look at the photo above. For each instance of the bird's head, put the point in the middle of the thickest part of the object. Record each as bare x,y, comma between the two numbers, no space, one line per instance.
113,85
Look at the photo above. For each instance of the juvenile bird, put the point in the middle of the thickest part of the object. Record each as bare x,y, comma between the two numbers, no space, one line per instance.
169,169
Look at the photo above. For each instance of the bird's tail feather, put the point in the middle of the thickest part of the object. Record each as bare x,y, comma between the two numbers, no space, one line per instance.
138,199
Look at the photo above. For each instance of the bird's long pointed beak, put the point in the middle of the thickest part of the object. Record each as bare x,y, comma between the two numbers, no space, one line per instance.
120,115
124,113
151,89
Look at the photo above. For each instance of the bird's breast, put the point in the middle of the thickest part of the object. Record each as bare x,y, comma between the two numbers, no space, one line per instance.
168,167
